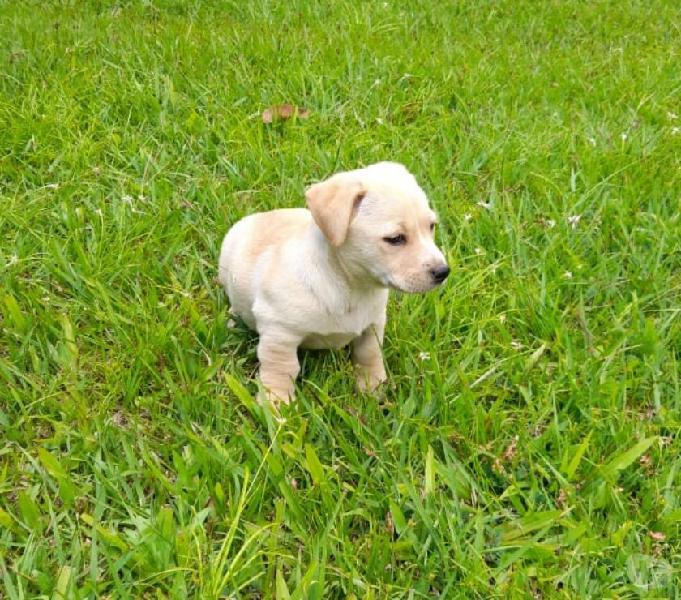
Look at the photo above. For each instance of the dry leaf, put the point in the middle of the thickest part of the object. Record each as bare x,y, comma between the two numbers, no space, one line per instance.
389,524
498,467
658,536
510,452
282,112
119,419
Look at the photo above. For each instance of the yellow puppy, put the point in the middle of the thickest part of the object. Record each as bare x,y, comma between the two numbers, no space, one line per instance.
319,278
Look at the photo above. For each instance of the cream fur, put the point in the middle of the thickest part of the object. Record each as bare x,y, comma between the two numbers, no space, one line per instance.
319,278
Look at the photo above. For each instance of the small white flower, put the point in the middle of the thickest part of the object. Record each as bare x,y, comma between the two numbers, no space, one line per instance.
550,223
485,205
516,345
467,217
424,355
98,212
624,137
379,120
567,275
573,220
128,199
377,82
592,141
676,130
13,260
479,251
672,116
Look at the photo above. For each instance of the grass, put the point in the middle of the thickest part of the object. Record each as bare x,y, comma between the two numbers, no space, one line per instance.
528,443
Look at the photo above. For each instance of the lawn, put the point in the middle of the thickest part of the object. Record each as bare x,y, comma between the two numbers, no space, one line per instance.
528,442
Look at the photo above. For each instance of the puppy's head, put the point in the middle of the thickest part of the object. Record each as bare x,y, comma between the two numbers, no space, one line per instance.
381,226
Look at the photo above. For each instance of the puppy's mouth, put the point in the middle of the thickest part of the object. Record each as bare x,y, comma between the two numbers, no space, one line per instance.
391,284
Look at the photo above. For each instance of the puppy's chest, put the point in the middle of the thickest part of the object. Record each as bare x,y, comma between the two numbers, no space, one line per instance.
338,330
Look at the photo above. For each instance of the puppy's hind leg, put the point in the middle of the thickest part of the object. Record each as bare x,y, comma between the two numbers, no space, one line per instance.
279,367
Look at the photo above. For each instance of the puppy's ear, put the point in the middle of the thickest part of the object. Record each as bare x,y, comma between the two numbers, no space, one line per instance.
333,203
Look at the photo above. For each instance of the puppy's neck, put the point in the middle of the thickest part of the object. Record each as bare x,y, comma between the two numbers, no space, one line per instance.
332,261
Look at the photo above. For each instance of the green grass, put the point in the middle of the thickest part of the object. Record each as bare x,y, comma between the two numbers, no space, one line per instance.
528,443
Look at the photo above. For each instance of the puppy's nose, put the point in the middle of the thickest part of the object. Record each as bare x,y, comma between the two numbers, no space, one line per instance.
440,273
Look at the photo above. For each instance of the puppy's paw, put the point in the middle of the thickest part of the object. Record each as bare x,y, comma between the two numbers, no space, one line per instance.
276,397
368,380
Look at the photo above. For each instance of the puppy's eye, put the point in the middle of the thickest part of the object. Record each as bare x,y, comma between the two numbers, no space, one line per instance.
432,226
397,240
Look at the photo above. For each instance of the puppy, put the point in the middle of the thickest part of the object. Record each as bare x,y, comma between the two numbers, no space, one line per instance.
319,278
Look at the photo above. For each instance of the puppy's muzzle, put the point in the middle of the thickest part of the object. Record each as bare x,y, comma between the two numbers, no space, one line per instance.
439,274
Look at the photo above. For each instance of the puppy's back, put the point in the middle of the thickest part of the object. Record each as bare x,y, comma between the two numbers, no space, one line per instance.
246,246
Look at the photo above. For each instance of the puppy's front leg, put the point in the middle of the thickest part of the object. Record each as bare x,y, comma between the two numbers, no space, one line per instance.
367,357
279,367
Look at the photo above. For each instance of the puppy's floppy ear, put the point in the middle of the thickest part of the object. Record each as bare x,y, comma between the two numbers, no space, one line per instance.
333,203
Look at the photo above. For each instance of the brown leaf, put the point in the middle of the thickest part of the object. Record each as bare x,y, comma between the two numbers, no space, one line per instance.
510,452
119,419
389,524
658,536
282,112
498,467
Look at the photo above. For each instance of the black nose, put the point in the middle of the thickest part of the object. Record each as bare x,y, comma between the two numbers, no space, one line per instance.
440,274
